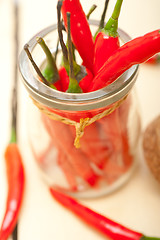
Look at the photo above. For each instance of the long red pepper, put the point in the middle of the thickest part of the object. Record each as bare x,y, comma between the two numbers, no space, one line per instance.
107,40
13,160
133,52
80,31
65,57
15,177
82,76
106,226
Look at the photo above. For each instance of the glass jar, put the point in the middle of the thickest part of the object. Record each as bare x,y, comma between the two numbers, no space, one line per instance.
105,158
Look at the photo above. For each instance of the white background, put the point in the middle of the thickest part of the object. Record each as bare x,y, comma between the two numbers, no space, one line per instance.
137,204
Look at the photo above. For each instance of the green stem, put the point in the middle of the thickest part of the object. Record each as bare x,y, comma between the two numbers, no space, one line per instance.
76,67
44,80
91,10
56,52
158,58
51,70
149,238
112,24
101,24
13,138
73,84
63,46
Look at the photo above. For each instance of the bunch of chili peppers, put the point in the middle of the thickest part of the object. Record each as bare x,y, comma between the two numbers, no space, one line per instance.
103,61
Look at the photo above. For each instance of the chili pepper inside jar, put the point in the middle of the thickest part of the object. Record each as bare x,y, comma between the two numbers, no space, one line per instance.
83,143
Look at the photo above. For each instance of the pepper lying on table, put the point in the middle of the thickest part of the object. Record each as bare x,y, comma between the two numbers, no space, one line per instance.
101,223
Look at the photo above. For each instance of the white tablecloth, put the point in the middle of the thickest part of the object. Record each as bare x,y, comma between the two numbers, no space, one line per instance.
137,204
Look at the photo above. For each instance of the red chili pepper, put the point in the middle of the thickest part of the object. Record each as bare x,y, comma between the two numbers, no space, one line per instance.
86,81
133,52
104,48
64,79
108,227
107,40
80,31
154,60
15,177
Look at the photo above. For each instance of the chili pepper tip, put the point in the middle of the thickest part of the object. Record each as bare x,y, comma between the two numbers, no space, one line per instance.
39,39
91,10
26,46
59,4
68,14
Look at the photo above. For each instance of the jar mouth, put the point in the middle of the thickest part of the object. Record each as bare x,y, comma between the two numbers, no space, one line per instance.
73,101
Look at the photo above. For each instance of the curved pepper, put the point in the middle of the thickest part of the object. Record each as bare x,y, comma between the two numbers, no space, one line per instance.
133,52
103,224
80,31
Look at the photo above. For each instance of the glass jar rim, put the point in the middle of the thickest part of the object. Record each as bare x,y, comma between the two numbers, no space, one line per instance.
72,101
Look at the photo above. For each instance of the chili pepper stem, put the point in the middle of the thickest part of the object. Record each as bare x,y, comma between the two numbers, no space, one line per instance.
14,233
149,238
101,24
26,48
73,84
76,67
56,52
112,24
50,60
91,10
63,46
13,135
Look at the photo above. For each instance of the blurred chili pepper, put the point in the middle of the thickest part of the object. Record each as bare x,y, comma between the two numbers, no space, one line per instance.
13,160
107,40
106,226
133,52
80,31
16,179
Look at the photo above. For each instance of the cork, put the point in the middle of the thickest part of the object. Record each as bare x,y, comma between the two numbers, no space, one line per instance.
151,147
